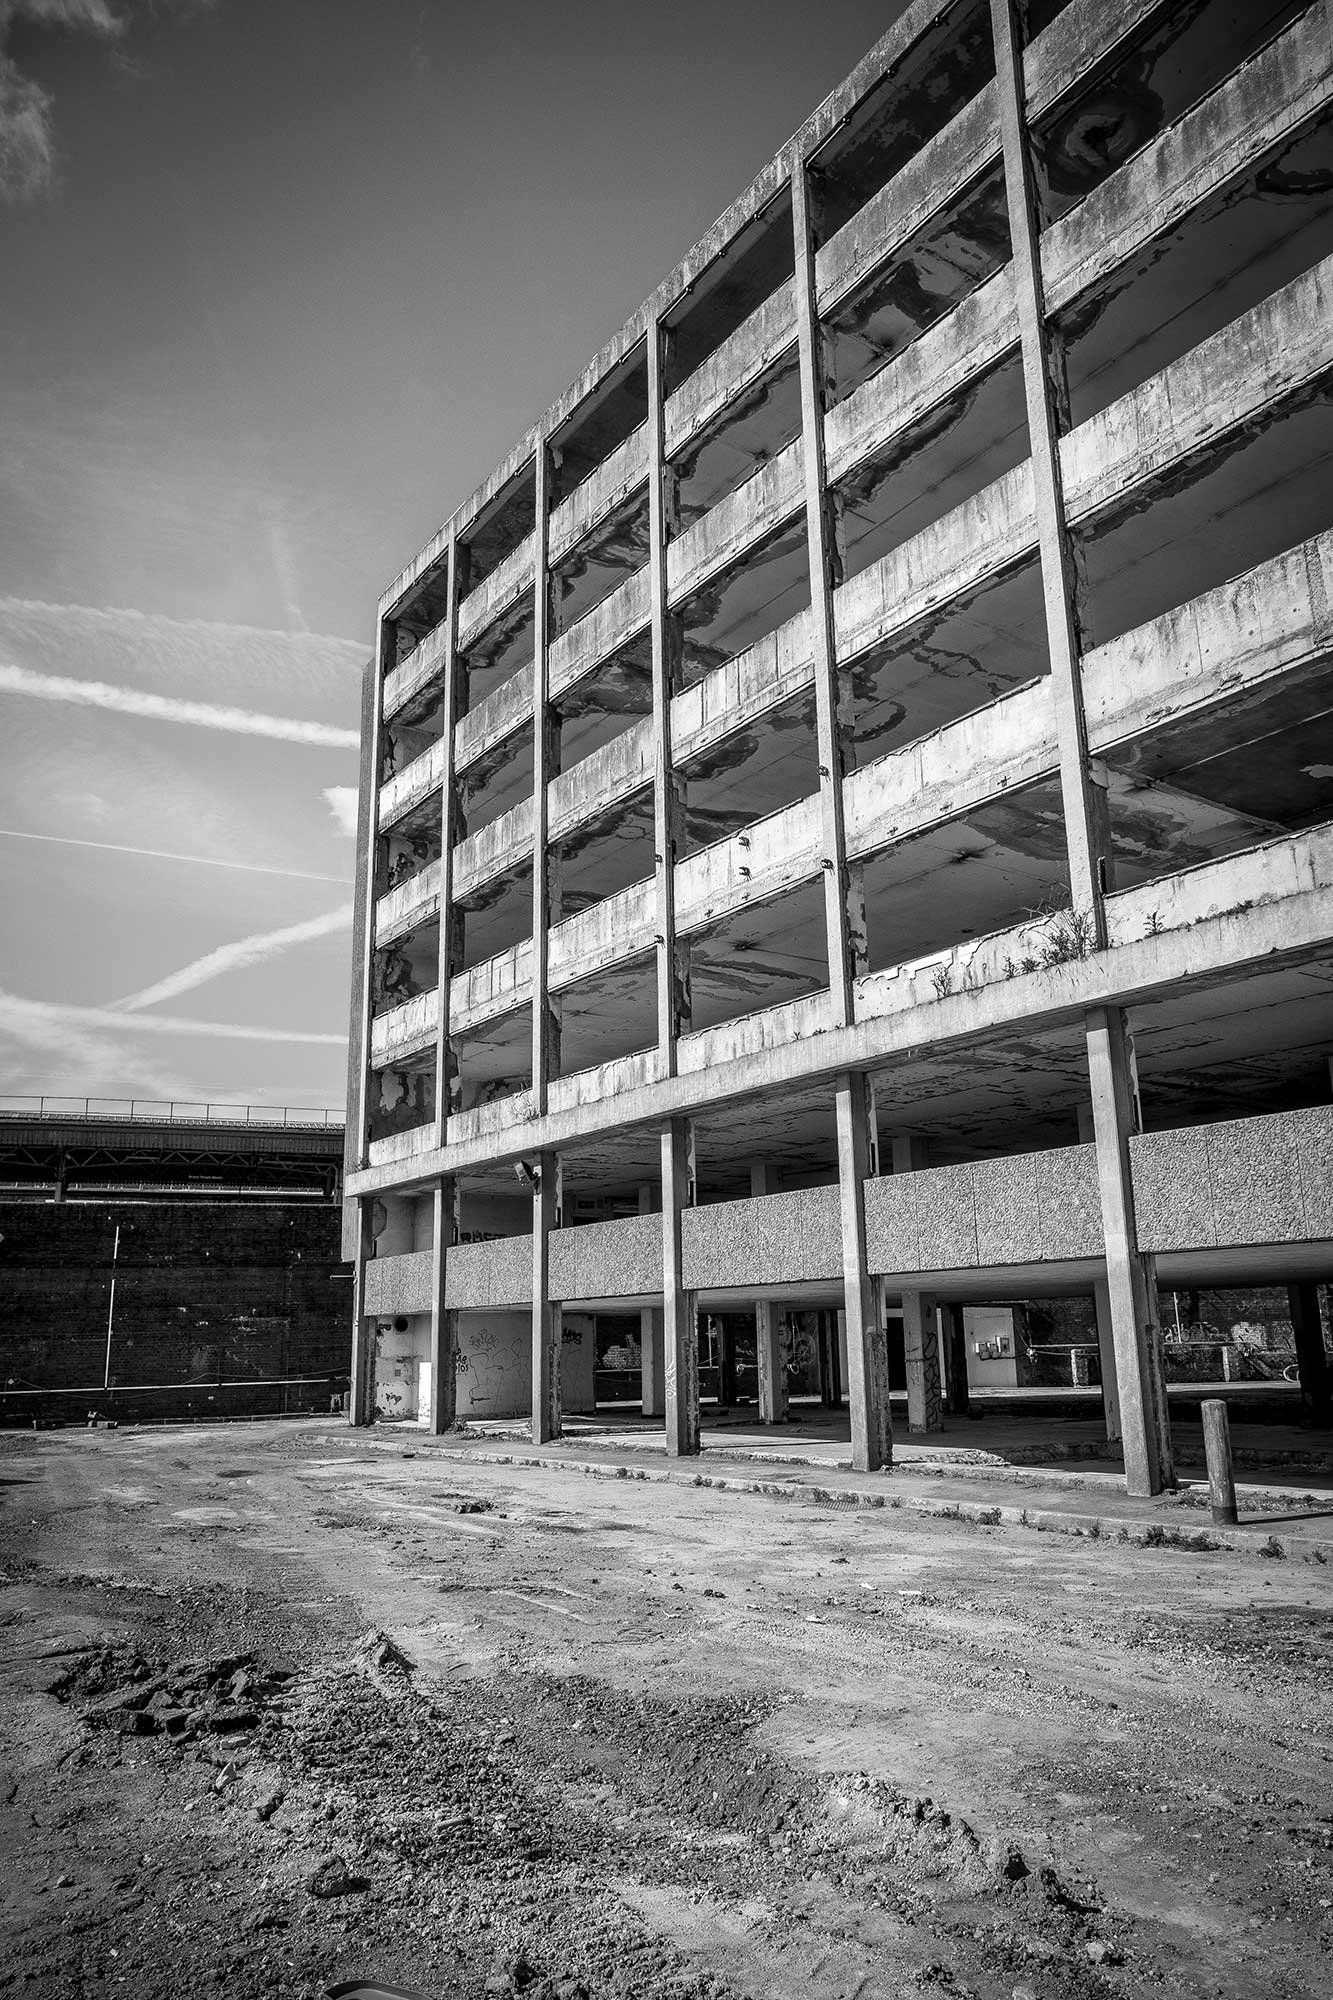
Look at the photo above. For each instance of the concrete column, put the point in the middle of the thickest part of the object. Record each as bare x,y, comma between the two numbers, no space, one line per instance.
909,1151
844,892
1311,1359
867,1357
726,1364
768,1343
957,1398
651,1361
772,1360
451,941
443,1323
921,1346
1106,1349
673,957
1131,1288
546,1315
679,1306
362,1398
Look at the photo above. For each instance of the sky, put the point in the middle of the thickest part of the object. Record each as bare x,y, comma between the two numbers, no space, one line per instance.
280,282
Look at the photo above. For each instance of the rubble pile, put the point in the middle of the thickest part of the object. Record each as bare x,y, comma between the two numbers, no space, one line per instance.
187,1699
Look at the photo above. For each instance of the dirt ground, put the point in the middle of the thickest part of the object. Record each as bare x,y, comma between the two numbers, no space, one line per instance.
284,1706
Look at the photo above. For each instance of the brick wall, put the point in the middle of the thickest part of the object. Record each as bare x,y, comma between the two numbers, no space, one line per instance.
220,1308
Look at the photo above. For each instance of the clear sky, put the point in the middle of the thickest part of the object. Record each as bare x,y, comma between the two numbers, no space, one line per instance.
280,282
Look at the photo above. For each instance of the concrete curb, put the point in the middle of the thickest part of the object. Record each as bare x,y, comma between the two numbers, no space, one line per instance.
1249,1538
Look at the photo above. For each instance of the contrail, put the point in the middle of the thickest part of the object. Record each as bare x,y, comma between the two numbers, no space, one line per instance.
234,957
161,854
22,1016
166,708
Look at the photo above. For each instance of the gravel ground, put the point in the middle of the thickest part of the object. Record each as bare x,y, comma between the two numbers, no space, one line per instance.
281,1710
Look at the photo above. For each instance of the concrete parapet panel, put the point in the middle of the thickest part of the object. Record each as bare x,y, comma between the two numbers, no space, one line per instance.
1172,1198
1255,1179
1250,1180
947,1219
1314,1155
398,1284
892,1236
498,1273
608,1260
772,1239
1069,1202
1008,1210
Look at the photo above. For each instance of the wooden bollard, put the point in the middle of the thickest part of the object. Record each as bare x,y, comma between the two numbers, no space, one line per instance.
1217,1451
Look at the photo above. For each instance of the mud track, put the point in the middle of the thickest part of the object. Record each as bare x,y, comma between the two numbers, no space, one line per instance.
282,1709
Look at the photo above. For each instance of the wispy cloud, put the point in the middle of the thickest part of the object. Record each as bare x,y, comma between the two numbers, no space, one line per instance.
161,854
342,803
27,137
236,957
42,1022
167,708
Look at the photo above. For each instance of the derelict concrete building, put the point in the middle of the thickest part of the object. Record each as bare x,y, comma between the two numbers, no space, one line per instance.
845,806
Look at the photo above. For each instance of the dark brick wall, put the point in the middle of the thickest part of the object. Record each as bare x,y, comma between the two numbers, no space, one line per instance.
220,1309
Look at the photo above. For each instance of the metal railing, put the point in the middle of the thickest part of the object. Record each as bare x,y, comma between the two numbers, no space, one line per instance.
171,1111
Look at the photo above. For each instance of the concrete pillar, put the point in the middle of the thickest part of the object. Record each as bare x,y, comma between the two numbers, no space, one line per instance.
1311,1359
1106,1349
651,1367
957,1399
909,1151
771,1356
1131,1287
726,1364
679,1306
867,1358
925,1398
443,1323
546,1314
361,1402
768,1343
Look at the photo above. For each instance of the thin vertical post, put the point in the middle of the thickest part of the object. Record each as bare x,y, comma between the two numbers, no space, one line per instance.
1130,1288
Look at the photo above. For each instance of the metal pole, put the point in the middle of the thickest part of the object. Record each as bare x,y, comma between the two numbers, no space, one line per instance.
111,1309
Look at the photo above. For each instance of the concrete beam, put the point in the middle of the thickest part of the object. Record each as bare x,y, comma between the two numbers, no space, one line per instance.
1261,105
901,1011
770,496
598,495
730,369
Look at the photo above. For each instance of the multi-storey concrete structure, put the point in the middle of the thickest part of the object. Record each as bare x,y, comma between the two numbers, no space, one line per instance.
859,772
